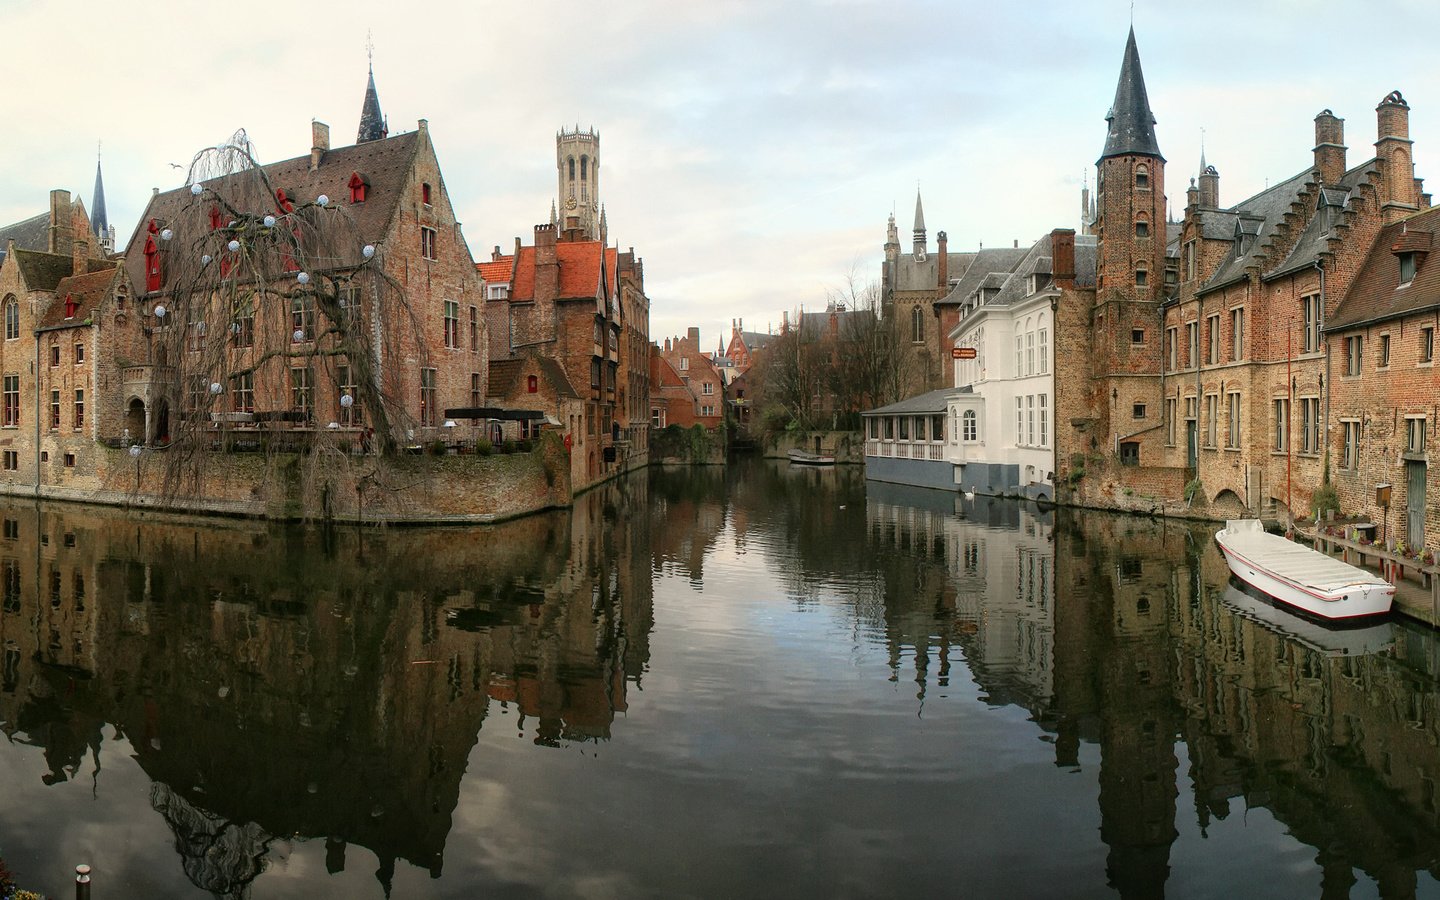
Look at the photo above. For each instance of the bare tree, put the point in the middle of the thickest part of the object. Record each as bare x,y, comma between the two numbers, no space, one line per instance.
872,368
268,301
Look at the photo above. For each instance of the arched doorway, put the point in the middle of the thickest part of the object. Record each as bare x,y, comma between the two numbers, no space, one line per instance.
135,422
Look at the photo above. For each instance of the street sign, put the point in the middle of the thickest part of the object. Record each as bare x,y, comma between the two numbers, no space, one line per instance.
962,353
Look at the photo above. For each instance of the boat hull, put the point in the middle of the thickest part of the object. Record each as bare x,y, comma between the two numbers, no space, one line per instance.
801,458
1353,602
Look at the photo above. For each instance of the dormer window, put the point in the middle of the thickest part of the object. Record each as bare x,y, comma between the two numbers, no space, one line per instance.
215,220
70,306
284,200
1142,177
359,187
1407,268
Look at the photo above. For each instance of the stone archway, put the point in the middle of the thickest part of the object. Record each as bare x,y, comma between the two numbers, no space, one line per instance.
1227,504
135,422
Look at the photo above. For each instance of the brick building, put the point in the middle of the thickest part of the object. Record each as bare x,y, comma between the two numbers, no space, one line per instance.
699,374
1207,361
671,402
744,346
1385,382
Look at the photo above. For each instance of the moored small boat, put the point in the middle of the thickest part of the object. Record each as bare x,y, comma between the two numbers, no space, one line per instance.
1300,577
806,458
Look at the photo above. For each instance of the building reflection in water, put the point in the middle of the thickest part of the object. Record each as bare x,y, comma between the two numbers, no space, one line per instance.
334,691
1114,631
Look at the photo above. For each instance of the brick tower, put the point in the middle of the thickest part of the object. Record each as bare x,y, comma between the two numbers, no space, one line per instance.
577,166
1130,192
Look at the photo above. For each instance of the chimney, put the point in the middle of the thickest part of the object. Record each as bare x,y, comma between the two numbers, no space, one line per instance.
1192,195
495,254
1017,243
547,265
319,142
692,335
1210,184
1329,147
1062,258
80,252
944,267
1392,149
61,232
785,322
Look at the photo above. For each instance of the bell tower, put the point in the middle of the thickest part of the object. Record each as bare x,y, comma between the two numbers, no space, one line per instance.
1130,192
577,165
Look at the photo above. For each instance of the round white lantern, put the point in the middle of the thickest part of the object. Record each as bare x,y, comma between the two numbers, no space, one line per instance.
321,200
196,189
215,387
166,234
233,245
347,401
368,251
299,335
303,278
160,311
269,221
135,450
205,259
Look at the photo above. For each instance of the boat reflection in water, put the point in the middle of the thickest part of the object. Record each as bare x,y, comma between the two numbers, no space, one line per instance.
1332,640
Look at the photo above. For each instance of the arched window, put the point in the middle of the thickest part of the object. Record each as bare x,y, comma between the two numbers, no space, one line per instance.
917,325
1142,226
1142,277
584,168
12,318
1142,177
572,168
969,429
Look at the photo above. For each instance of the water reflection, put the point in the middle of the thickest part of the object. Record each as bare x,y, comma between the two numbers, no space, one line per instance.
853,675
290,683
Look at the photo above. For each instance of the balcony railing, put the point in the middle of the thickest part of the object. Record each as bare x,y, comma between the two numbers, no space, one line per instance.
930,450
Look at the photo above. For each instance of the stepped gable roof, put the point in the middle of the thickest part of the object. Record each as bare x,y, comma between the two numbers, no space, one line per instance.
1002,260
1376,294
87,291
385,164
497,271
1132,124
1265,209
924,275
43,271
1330,202
932,402
29,234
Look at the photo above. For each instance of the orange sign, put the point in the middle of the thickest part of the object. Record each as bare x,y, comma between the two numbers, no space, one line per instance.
962,353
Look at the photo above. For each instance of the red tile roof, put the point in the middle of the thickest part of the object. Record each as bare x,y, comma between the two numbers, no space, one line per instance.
579,263
497,271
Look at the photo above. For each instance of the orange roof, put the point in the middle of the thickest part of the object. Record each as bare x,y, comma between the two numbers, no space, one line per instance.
497,271
579,263
85,291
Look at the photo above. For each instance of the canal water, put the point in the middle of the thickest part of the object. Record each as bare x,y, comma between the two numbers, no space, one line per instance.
754,681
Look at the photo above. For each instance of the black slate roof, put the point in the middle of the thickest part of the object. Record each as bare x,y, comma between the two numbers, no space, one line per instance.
1132,124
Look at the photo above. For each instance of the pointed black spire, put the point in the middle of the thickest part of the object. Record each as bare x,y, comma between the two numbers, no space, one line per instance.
98,220
1132,124
372,123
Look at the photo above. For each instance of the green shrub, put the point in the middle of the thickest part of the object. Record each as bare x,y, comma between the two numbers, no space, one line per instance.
1324,500
483,447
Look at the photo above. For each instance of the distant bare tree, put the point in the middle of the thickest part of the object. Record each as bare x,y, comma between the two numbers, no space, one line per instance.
872,366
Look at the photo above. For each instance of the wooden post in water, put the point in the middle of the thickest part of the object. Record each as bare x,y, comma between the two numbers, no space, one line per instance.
82,882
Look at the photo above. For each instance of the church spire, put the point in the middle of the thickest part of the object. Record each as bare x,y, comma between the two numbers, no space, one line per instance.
372,122
1132,124
98,219
919,225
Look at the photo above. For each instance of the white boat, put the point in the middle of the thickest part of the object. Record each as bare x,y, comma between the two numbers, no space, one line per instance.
1301,577
806,458
1329,640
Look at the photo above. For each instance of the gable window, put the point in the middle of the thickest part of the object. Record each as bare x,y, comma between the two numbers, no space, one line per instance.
11,401
427,243
532,384
1282,424
1407,268
1350,447
1310,425
1415,434
917,325
425,194
1352,354
1232,436
359,187
1310,310
12,318
427,397
1189,253
452,324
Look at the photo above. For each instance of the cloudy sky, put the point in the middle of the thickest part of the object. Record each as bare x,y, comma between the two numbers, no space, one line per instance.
750,151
